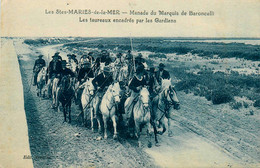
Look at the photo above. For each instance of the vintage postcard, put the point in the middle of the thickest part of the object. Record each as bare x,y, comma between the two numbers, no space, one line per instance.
171,83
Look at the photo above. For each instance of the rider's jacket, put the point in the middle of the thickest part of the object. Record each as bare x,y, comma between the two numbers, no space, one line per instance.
102,81
103,59
152,82
39,63
85,72
136,82
139,60
129,57
66,71
162,75
87,59
55,67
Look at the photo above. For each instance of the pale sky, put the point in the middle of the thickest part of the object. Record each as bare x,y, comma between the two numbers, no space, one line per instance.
232,18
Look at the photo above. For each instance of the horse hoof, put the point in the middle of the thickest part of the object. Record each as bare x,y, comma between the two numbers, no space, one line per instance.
139,144
157,144
170,134
160,132
149,145
115,137
105,137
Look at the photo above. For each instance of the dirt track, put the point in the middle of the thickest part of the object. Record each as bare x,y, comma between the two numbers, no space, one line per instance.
53,143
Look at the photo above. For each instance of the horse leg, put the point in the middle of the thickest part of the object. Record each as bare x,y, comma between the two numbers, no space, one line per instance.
155,132
169,129
137,132
69,109
64,112
105,126
92,118
99,123
149,134
115,125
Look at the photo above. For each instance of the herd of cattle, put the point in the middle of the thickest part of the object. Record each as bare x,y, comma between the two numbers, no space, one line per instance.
123,89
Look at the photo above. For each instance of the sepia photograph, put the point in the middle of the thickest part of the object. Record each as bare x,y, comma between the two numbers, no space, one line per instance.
98,85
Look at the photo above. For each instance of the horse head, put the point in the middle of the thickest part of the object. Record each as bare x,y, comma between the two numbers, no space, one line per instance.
90,86
172,98
43,72
65,82
115,90
144,97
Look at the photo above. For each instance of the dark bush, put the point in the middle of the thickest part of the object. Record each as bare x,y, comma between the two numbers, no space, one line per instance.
236,105
257,103
186,84
157,56
221,96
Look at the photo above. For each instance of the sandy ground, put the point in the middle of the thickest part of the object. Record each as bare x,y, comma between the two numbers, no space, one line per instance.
204,135
14,143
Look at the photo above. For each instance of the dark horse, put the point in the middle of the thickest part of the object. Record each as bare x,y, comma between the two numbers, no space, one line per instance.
65,95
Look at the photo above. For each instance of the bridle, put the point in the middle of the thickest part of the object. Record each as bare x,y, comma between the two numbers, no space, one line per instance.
168,104
114,104
145,108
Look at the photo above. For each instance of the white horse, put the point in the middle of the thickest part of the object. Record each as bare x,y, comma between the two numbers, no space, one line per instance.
108,107
100,69
123,73
141,113
162,106
41,80
73,66
86,101
55,93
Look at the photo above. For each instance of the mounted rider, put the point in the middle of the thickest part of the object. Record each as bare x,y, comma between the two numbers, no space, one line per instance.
136,84
102,82
86,58
65,70
162,74
139,60
119,60
152,83
84,74
55,66
53,70
74,58
103,58
38,65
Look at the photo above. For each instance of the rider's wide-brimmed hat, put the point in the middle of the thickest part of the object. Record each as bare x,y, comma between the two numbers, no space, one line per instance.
104,52
40,56
152,69
107,69
119,54
140,68
90,53
56,55
64,62
86,64
68,55
73,55
161,65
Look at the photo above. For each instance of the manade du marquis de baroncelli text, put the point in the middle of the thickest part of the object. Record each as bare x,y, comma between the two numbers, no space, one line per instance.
131,16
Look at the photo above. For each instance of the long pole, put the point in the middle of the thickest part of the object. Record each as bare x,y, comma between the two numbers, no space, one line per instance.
132,51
